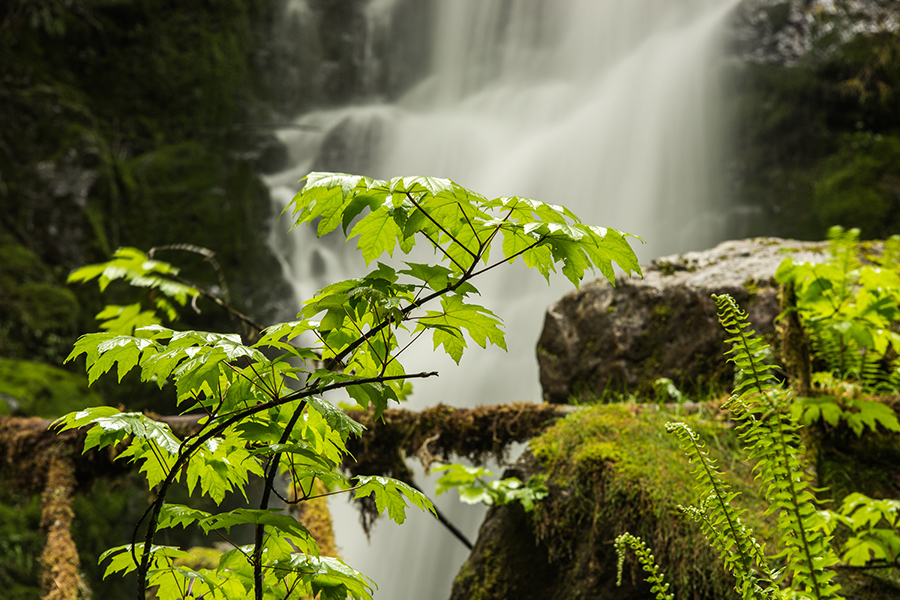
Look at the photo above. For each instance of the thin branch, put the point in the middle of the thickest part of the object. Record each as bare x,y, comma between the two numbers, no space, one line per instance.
184,456
442,518
401,350
447,254
439,226
219,302
264,503
511,257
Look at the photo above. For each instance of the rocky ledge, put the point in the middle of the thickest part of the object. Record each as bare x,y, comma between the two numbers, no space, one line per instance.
620,339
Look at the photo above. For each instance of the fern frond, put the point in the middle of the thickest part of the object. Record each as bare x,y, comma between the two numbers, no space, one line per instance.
771,436
721,522
754,376
659,587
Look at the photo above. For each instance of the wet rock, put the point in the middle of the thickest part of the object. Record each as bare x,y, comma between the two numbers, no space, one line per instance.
784,32
621,339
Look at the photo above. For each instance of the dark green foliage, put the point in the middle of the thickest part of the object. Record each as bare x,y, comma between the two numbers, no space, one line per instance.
815,139
39,315
848,309
118,116
20,546
860,186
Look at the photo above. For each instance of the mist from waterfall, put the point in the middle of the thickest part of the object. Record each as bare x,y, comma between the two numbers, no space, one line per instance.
610,107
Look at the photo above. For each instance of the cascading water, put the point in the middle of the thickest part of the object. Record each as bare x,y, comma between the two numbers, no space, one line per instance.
610,107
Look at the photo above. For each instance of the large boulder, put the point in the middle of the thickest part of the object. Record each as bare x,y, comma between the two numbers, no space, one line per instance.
611,469
620,339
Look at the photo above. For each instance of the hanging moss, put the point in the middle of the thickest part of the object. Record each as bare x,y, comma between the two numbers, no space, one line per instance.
61,578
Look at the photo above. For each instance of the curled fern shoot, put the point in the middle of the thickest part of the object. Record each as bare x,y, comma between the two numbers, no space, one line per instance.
770,434
659,587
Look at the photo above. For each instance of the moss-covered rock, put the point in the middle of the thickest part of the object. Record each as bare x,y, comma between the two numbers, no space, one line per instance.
609,469
604,338
612,468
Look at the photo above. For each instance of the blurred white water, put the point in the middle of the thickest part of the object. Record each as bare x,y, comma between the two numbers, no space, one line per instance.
611,107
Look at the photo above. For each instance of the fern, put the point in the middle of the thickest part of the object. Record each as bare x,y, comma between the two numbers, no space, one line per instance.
656,580
770,434
721,522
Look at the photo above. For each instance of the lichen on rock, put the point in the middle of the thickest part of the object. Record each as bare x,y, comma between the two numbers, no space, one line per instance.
604,338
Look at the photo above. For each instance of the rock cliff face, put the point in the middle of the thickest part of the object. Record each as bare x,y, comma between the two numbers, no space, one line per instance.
813,98
784,32
620,339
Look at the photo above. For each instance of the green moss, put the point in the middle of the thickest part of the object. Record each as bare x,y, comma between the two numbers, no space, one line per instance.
661,313
38,314
36,389
752,286
613,468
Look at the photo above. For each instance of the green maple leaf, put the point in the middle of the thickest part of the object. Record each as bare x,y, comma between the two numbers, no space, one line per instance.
336,418
391,494
125,319
174,515
432,185
482,325
324,195
378,233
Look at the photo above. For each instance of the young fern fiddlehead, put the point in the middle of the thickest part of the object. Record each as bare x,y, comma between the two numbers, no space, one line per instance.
648,563
770,435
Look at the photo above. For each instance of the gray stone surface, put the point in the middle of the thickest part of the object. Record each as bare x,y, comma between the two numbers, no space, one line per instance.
785,31
622,338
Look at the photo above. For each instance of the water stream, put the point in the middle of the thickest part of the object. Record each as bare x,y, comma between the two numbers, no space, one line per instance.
611,107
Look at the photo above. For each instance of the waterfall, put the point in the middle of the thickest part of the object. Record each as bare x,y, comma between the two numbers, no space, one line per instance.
610,107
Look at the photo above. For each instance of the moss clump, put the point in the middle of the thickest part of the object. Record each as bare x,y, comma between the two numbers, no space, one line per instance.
61,578
315,516
30,388
39,315
612,469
